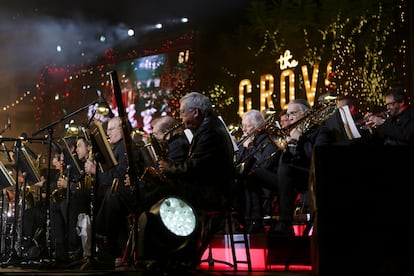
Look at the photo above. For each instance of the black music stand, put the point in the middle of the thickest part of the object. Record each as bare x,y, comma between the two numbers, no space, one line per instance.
72,160
102,149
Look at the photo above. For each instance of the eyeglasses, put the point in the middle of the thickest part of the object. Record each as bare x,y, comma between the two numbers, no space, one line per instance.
389,104
293,113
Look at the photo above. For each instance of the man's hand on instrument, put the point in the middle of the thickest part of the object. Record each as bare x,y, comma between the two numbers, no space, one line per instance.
163,164
62,183
90,166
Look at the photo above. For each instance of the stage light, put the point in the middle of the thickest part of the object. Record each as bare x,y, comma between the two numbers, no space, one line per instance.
176,215
167,228
131,32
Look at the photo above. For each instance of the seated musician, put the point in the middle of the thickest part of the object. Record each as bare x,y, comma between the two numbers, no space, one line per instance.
205,177
293,170
337,129
115,201
397,127
259,157
174,145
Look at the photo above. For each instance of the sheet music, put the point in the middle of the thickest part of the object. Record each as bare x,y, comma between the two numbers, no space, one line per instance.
349,123
189,135
233,140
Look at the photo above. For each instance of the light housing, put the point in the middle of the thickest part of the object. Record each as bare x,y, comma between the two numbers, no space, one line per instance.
169,227
176,215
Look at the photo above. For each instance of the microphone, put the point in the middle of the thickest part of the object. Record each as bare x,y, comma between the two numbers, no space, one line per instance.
6,152
101,100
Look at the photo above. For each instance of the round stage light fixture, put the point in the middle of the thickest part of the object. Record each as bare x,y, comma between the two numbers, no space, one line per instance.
176,215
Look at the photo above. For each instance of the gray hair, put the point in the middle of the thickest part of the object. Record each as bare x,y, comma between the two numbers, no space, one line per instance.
256,117
304,104
197,100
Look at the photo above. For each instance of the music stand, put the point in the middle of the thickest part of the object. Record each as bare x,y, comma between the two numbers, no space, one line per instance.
6,180
26,165
50,129
72,160
102,149
105,158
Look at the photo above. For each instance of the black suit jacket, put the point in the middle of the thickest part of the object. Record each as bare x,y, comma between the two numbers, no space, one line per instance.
205,177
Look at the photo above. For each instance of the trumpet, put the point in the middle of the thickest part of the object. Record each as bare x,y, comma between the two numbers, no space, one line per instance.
363,122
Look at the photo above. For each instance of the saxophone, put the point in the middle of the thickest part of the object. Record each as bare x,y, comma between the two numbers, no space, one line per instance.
88,180
59,194
157,149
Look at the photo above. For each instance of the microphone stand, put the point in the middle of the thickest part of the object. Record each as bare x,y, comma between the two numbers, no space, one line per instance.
50,129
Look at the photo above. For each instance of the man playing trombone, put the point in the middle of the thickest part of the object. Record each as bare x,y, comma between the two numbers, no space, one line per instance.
256,165
293,170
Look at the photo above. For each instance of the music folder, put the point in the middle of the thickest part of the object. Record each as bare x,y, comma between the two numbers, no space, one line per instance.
348,123
26,165
101,148
72,160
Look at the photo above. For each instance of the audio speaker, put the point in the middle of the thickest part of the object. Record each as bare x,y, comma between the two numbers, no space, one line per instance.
363,210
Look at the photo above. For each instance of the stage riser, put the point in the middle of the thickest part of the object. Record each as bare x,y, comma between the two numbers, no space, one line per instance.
364,208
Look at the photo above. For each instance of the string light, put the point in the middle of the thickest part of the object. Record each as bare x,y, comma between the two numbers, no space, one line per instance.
19,101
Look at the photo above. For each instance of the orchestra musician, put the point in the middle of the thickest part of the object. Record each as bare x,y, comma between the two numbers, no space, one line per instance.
168,132
397,128
335,129
205,177
69,198
259,157
294,165
115,200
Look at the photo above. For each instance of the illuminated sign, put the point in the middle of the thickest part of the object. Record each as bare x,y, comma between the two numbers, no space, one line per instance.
287,85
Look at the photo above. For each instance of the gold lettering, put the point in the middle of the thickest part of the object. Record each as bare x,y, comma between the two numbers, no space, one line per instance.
310,87
266,93
287,86
245,87
291,77
284,61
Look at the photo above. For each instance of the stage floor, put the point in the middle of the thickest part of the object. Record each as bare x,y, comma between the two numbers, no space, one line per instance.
269,256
